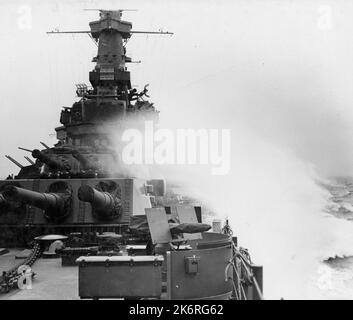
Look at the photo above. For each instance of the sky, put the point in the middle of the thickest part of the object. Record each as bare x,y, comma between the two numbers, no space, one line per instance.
282,69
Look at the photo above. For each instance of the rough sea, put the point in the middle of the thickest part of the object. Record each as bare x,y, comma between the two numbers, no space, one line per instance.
335,280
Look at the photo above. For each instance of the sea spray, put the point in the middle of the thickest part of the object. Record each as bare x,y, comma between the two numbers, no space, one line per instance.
275,205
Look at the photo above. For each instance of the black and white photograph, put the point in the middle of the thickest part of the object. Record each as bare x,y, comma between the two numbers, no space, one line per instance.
156,150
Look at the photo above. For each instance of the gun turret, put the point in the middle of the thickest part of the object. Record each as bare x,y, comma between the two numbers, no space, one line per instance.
104,204
56,205
51,163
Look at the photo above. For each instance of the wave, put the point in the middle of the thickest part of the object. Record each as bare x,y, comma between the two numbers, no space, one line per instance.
339,207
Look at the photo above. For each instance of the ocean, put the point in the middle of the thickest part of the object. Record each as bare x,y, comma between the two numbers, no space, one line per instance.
335,275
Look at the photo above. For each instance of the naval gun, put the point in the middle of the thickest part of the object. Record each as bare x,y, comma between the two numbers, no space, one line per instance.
51,163
104,204
56,203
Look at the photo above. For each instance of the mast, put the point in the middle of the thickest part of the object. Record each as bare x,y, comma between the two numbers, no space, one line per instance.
111,97
110,76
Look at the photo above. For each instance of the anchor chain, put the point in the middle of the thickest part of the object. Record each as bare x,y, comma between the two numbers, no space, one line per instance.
9,279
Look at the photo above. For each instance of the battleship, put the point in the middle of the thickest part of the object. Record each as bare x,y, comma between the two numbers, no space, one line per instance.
75,225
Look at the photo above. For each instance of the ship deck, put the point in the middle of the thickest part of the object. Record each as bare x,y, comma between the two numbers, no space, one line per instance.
52,281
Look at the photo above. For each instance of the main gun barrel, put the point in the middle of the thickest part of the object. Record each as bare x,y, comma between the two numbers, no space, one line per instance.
104,204
52,164
40,200
98,199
